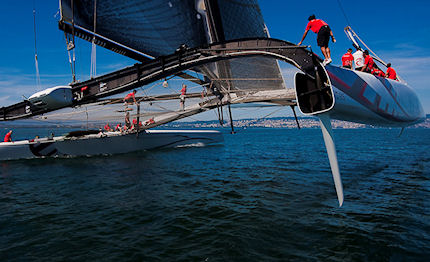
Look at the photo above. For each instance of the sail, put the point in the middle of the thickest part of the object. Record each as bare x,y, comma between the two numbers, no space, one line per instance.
150,27
241,19
156,28
238,19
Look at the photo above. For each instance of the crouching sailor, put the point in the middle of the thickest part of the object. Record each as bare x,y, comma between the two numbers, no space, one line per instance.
391,73
8,136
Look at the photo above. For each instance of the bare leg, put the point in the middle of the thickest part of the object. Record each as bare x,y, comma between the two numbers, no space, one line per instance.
323,50
327,50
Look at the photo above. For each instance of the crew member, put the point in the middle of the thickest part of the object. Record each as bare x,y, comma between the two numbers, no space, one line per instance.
391,73
377,72
368,62
135,123
107,127
182,97
347,59
324,32
149,121
118,127
130,98
358,59
8,136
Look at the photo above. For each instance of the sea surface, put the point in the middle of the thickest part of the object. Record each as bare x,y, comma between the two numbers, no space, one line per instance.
264,195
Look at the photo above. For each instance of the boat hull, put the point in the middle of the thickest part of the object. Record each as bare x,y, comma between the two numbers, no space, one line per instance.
107,143
364,98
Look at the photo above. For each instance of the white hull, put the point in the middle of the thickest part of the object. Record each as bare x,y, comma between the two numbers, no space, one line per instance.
364,98
107,143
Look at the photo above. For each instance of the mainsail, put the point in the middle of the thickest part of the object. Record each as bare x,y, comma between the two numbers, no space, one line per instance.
152,28
157,28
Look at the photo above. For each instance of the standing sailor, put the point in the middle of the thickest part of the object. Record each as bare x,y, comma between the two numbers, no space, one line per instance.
324,32
182,97
358,59
347,59
130,98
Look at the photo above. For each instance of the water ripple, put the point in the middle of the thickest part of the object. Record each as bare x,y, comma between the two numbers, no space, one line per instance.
267,195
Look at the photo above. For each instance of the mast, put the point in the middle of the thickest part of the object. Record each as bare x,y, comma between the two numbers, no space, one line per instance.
217,35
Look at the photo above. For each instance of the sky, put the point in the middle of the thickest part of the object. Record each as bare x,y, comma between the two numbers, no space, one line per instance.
397,31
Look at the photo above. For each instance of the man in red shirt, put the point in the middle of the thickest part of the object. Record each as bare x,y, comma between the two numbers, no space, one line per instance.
377,72
324,32
107,127
347,59
8,136
182,96
391,73
368,62
130,98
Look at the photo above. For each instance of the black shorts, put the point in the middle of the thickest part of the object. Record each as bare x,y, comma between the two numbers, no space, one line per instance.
323,36
129,101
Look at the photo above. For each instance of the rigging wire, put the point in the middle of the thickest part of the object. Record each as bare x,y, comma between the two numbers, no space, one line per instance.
87,116
70,45
270,113
348,28
370,50
38,83
344,13
93,45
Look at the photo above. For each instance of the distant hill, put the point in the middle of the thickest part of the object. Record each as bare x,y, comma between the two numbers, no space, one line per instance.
279,122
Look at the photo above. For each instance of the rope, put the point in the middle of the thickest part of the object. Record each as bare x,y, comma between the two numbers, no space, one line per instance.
93,45
370,50
36,63
343,12
171,111
355,35
270,113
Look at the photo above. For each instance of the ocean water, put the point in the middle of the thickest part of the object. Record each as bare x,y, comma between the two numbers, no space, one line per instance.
265,195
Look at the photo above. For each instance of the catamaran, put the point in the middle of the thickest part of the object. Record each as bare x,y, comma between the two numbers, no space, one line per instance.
222,46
